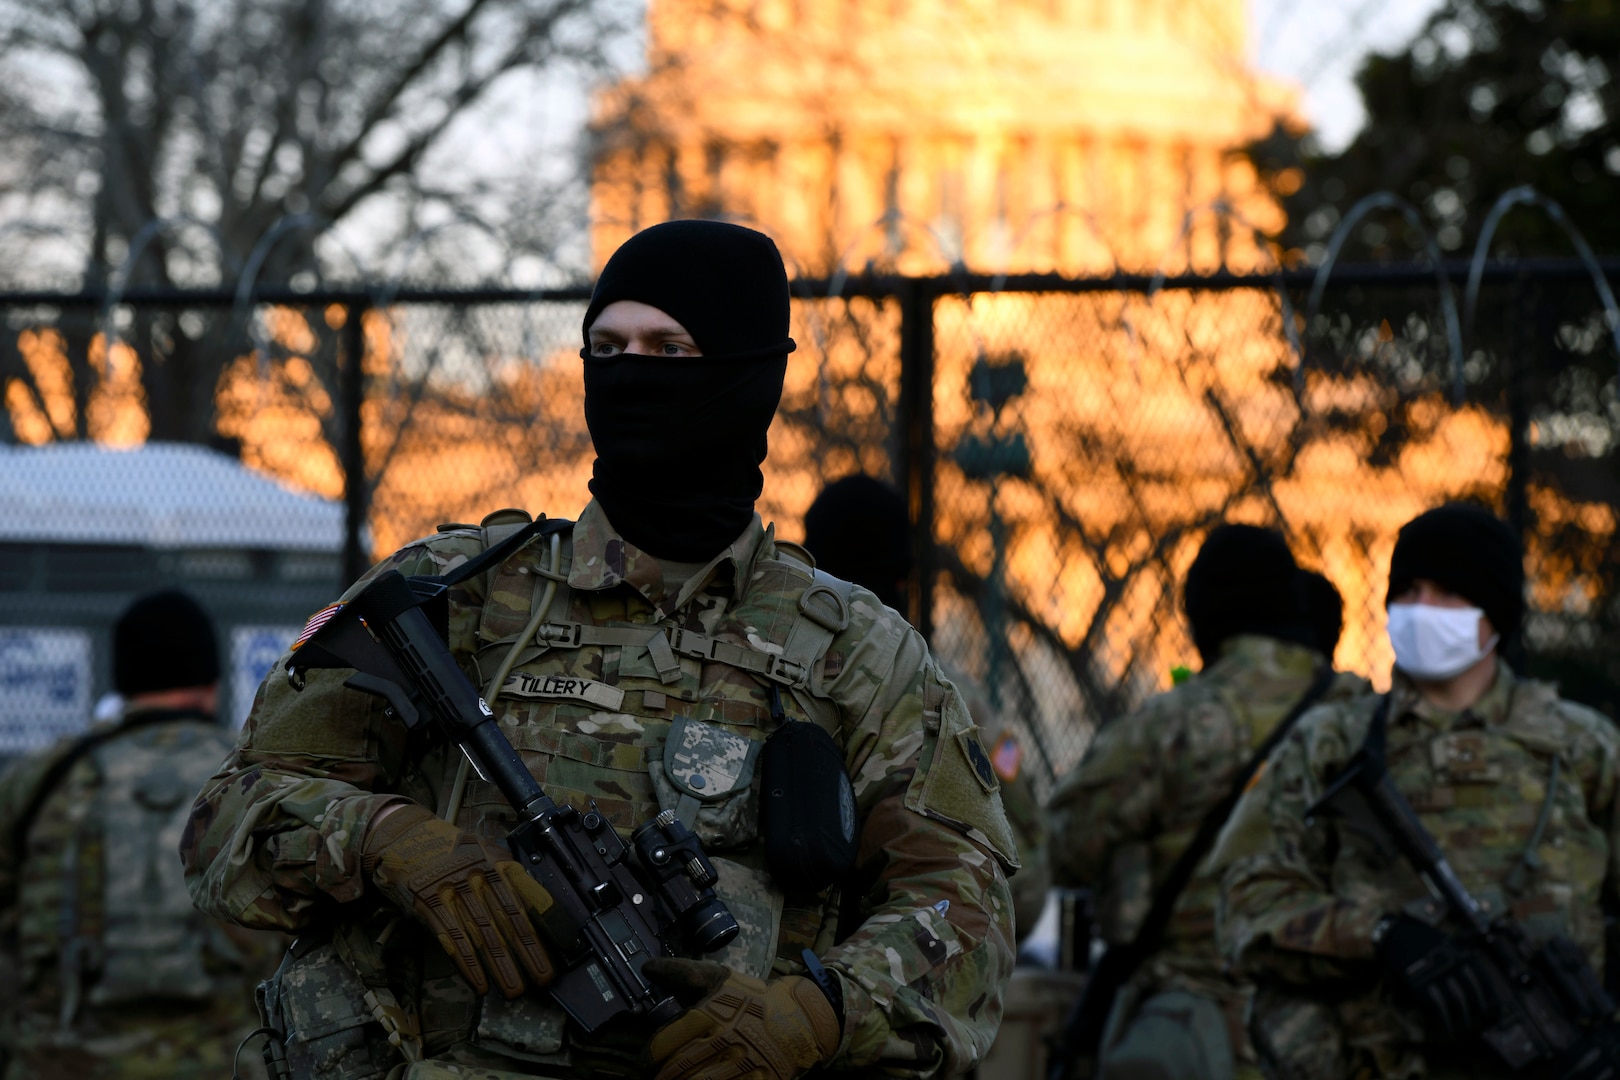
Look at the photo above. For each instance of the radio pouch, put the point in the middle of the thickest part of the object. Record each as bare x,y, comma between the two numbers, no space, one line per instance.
806,808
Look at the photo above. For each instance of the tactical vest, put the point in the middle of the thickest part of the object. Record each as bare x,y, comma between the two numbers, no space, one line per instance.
634,716
104,905
1512,817
574,694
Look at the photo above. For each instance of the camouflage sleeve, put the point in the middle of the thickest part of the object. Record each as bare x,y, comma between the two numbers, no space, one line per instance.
1111,799
924,970
1278,916
1591,744
278,832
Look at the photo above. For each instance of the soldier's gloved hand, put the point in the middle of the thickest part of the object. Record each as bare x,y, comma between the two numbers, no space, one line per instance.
1443,975
739,1028
476,900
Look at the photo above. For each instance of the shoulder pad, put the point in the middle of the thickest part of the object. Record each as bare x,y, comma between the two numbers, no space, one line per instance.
508,516
795,553
956,782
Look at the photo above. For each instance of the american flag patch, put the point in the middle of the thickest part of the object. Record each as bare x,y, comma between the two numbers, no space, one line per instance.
1007,756
316,621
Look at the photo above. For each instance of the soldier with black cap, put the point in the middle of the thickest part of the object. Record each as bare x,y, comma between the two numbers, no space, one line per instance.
1516,785
1125,817
113,972
656,655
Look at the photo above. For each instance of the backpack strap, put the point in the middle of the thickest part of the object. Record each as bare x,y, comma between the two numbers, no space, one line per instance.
59,768
823,614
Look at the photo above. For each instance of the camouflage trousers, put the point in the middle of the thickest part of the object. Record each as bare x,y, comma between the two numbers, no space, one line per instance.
1169,1035
333,1023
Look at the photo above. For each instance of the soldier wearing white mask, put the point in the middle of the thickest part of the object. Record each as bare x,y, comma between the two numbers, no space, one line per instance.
1360,971
1456,585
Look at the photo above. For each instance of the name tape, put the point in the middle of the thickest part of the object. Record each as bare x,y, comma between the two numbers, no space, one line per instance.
571,687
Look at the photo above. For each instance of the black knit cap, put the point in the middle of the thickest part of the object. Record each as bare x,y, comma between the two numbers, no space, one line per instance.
1244,581
164,641
1469,551
858,530
1326,609
725,284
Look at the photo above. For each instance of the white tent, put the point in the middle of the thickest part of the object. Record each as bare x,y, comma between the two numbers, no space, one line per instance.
160,495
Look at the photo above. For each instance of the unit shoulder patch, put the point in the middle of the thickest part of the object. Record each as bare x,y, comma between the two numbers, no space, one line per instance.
978,760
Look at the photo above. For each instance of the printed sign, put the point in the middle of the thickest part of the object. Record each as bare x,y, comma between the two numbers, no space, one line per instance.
44,686
254,651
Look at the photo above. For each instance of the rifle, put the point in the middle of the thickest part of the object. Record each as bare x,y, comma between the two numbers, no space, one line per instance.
1552,1017
622,907
1081,1038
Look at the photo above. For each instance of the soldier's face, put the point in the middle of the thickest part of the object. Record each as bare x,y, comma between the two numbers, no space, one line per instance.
629,326
1424,591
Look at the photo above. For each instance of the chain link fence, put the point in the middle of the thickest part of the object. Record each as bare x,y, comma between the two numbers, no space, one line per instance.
1064,446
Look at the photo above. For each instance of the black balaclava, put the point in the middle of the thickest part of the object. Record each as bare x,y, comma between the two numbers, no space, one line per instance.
858,530
1244,581
1469,551
164,641
679,440
1326,609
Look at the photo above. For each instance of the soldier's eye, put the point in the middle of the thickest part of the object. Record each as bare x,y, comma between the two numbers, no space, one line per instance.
606,348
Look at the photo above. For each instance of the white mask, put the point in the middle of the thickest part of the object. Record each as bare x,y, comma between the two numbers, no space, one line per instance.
1434,644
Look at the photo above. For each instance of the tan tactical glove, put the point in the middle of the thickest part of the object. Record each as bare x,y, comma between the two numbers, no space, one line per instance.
475,899
738,1028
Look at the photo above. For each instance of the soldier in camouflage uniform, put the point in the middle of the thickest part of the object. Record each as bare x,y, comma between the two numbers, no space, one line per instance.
109,970
1125,815
639,658
1517,786
858,530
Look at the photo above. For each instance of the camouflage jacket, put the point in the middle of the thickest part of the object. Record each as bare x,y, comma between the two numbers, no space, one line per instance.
1128,811
1300,899
277,837
109,970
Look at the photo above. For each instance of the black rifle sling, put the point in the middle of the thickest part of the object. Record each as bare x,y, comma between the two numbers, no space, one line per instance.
1120,963
1378,731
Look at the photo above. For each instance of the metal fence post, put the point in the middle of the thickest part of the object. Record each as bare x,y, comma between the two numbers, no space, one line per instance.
352,393
1521,364
915,469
